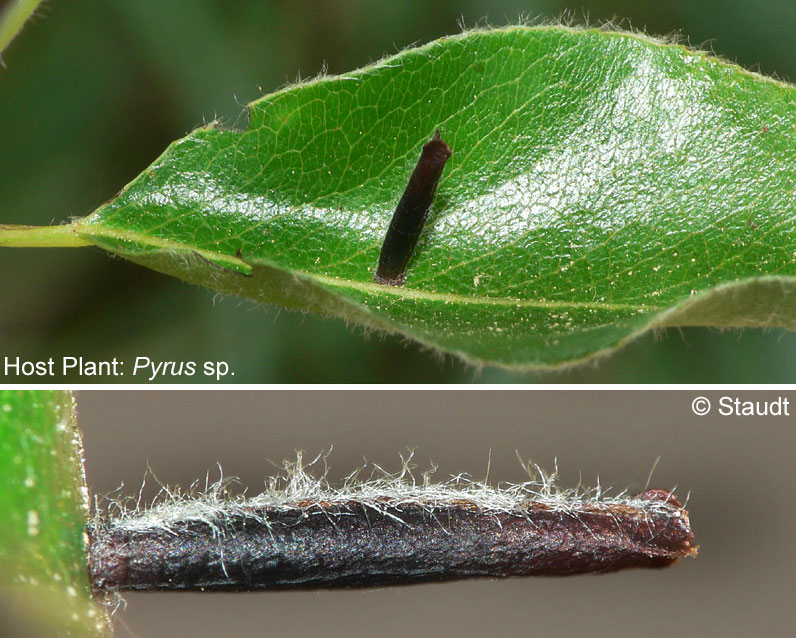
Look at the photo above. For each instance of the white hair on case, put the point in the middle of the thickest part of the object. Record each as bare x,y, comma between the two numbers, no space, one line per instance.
383,492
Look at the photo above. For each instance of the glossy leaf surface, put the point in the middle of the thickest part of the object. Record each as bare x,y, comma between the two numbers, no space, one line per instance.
601,184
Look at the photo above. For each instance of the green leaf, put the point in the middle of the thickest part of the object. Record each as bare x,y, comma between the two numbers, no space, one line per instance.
12,19
602,184
43,514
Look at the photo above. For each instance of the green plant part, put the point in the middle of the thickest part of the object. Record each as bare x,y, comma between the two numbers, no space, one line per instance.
602,184
13,17
43,545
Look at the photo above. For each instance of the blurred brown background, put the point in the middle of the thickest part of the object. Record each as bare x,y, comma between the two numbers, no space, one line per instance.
739,471
93,91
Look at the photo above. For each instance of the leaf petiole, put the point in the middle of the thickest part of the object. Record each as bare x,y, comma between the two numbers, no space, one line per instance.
64,235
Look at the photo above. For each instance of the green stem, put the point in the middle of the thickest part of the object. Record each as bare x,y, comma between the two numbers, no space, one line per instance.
40,236
12,19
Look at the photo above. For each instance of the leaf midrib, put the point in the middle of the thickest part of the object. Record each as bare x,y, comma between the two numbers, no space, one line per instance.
365,287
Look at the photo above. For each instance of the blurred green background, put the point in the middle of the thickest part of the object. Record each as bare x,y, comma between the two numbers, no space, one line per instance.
93,91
